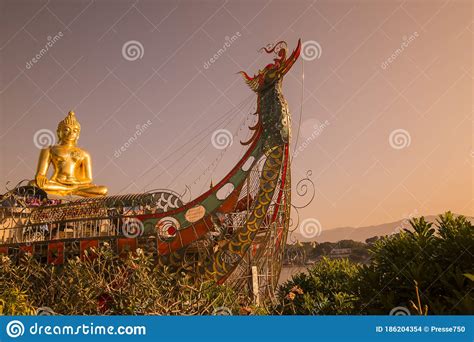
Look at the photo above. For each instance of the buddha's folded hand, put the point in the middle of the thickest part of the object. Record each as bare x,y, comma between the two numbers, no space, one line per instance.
41,180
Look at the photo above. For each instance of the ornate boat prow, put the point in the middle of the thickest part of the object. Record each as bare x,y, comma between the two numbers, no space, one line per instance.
237,227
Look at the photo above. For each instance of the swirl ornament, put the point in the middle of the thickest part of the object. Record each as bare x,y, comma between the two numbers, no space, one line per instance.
44,138
133,50
133,228
167,228
15,329
310,228
305,188
221,139
311,50
399,139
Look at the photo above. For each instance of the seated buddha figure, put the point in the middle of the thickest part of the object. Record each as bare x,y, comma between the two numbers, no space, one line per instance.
72,173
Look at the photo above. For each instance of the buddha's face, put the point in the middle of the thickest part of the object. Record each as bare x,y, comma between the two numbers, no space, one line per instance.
68,134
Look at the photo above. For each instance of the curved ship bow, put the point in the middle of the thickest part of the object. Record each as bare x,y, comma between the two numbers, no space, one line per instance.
235,229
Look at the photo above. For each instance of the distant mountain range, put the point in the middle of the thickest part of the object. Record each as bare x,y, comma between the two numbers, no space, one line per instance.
363,233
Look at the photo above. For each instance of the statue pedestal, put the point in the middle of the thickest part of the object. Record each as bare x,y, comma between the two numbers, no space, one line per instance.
68,198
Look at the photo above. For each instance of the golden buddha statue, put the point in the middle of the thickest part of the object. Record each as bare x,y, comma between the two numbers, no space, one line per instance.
71,165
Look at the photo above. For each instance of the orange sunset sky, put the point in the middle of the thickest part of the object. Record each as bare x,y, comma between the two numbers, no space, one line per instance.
383,120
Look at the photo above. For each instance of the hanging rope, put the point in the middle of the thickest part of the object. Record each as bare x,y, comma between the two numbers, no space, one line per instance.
301,110
219,159
206,146
227,120
216,161
202,132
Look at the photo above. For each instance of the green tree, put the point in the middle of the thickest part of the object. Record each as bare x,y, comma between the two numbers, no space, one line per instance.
324,290
436,259
430,265
112,285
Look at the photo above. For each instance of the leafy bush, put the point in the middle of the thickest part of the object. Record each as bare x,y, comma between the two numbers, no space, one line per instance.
14,302
438,258
109,284
325,289
435,262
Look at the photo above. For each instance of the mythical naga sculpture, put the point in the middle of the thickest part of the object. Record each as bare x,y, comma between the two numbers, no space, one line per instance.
240,223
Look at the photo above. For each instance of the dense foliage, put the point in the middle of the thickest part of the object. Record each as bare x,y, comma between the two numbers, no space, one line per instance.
108,284
428,266
324,289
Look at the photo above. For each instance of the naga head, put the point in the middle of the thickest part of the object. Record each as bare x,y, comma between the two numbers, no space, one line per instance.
273,72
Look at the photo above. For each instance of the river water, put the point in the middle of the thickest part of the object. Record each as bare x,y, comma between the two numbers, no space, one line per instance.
287,271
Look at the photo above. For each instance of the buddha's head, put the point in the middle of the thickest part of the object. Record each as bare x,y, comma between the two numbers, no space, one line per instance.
69,129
